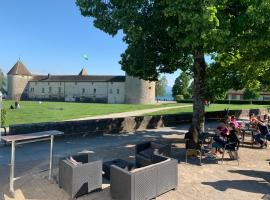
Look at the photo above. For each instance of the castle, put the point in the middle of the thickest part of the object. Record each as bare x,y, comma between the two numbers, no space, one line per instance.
82,87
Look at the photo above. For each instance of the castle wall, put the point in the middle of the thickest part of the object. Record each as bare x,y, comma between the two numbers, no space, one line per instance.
116,92
139,91
17,86
88,91
46,90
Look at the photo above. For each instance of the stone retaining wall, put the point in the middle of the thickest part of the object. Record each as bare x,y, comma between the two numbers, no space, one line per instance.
123,125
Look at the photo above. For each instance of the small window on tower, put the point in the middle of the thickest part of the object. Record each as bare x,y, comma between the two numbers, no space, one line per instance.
48,83
59,89
117,91
110,91
50,89
95,90
75,83
83,90
43,90
35,83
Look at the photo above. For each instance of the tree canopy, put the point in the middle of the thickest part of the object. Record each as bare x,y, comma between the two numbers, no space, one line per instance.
2,82
181,86
161,86
165,35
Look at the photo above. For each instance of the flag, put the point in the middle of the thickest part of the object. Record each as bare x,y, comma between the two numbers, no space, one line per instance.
85,56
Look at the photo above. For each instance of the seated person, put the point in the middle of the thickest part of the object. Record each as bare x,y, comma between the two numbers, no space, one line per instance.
252,119
236,124
219,140
265,119
230,138
263,132
17,105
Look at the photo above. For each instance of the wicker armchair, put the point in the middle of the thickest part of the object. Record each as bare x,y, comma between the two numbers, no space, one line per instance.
80,179
144,183
144,152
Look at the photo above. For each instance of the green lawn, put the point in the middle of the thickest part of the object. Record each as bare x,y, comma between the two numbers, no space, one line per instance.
212,107
32,112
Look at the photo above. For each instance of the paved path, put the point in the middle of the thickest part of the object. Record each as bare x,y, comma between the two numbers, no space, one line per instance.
131,113
250,180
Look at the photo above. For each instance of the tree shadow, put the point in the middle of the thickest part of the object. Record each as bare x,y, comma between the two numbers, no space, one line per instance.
253,173
253,186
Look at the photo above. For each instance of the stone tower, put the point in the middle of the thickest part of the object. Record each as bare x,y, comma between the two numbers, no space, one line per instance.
138,91
83,72
17,81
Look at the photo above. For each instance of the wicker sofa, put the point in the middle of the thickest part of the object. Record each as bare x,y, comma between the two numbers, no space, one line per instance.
144,183
144,152
81,179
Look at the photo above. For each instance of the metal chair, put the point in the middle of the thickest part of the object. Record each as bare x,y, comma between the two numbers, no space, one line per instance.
232,147
197,147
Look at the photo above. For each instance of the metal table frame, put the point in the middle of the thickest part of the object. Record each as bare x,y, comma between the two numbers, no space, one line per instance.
29,138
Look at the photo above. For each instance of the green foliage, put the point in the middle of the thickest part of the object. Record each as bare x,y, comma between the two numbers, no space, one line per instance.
179,98
3,81
3,117
181,86
185,101
161,85
166,35
256,102
250,94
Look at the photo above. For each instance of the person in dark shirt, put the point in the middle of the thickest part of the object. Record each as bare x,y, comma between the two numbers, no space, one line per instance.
263,132
219,140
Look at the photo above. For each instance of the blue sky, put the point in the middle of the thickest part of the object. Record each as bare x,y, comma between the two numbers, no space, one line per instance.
51,36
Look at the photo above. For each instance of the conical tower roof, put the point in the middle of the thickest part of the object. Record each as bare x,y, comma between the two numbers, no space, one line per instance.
19,69
83,72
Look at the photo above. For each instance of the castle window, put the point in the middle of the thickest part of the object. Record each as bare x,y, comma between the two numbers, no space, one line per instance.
83,90
110,91
43,90
111,82
95,90
32,89
48,83
35,83
50,89
75,83
60,83
117,91
92,83
59,89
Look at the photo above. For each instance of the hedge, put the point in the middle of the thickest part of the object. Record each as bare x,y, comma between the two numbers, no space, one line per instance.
256,102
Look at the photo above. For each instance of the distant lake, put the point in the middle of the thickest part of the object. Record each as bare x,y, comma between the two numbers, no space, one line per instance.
167,97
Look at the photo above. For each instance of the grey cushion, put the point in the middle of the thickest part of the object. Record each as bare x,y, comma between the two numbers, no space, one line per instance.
148,153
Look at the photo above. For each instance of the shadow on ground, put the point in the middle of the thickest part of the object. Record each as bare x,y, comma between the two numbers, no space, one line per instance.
253,186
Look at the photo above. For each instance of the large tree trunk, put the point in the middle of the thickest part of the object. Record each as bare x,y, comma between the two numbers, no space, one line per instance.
198,90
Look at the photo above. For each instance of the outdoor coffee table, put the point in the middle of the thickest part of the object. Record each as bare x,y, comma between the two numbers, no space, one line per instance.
119,163
28,138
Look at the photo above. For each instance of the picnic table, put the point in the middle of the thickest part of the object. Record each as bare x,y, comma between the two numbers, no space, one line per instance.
28,138
245,130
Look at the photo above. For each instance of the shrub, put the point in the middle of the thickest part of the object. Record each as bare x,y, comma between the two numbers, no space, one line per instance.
179,98
3,117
